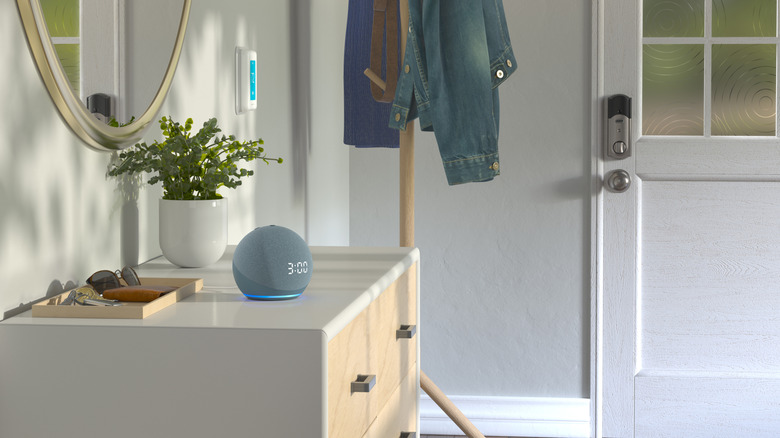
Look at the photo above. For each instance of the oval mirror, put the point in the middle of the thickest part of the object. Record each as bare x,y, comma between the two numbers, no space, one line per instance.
107,64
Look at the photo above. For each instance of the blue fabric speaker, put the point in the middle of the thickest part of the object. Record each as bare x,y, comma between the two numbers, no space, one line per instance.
272,263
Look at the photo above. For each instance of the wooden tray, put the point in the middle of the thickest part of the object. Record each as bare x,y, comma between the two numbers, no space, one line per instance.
186,287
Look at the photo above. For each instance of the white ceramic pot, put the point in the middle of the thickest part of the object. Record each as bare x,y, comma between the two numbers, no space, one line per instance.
193,234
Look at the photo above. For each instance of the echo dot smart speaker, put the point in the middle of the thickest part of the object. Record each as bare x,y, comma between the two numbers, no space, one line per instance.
272,263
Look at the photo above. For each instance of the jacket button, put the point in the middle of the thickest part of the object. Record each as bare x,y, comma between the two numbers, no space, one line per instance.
406,69
509,63
495,164
397,117
500,74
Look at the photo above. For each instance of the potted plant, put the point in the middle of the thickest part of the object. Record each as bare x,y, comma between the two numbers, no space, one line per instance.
192,168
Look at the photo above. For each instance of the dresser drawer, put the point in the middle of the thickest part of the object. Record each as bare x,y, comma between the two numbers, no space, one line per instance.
400,413
369,346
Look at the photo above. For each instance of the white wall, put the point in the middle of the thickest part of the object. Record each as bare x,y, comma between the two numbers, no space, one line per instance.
149,38
329,169
505,264
58,218
62,219
204,87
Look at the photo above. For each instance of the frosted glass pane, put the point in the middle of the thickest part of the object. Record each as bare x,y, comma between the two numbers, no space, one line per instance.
744,18
69,58
743,89
62,17
673,18
673,89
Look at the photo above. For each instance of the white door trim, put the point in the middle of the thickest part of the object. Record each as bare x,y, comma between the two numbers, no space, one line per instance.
596,209
511,416
613,363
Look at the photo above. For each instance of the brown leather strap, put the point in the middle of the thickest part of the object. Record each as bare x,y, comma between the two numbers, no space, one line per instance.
385,25
138,294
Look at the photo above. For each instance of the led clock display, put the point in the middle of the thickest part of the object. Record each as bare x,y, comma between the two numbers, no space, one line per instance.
297,268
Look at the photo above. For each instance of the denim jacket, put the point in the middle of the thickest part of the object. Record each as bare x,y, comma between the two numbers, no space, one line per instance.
457,54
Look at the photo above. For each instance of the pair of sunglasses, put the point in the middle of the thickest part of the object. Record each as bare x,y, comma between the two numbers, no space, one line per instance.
104,280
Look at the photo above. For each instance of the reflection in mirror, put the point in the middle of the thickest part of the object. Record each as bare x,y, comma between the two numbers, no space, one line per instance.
106,60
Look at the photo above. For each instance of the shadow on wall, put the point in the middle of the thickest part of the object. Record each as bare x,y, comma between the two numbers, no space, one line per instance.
300,38
204,87
56,216
56,287
127,189
201,77
20,137
61,216
24,189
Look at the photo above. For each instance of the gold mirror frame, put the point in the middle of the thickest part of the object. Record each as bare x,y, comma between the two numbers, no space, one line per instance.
89,129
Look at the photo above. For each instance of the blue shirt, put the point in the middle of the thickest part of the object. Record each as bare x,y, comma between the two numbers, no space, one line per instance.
457,54
365,120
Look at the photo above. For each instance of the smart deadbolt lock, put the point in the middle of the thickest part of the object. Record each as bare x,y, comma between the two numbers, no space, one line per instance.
619,126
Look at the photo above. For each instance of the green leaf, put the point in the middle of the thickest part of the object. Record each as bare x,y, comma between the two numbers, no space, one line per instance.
191,166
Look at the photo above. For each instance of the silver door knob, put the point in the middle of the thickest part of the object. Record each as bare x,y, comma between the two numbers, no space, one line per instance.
618,181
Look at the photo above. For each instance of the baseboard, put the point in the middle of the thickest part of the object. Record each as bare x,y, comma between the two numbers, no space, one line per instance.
511,416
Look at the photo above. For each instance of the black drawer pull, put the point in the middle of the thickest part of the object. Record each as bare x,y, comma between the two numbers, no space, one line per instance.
364,383
406,332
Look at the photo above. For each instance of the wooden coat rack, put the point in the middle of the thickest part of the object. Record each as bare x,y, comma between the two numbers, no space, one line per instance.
406,195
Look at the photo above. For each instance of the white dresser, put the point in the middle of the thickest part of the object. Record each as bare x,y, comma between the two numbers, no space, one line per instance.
219,365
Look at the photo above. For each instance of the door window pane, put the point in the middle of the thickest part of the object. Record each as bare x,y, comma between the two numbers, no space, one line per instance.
673,18
673,89
736,47
69,58
62,17
62,21
744,18
743,89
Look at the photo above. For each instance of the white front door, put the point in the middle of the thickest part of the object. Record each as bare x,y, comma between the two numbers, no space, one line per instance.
688,310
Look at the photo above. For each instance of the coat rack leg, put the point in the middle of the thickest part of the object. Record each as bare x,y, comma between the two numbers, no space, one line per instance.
406,195
448,407
406,231
407,239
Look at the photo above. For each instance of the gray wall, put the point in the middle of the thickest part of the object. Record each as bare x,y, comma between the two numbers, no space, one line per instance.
505,264
62,219
324,23
149,39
